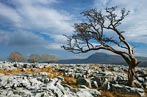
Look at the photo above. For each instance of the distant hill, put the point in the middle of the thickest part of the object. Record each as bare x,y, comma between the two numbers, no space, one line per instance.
102,58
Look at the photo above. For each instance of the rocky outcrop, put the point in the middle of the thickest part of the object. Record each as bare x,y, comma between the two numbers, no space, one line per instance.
107,77
38,85
127,89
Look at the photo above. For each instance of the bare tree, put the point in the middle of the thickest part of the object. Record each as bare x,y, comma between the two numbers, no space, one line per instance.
34,58
94,35
42,58
49,58
16,57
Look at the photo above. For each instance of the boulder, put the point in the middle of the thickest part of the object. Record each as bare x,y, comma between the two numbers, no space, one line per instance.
88,93
83,93
140,79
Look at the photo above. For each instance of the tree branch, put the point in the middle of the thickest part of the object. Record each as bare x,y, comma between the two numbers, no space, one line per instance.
95,30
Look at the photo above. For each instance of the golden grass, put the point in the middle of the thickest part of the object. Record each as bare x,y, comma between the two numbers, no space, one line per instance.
116,94
106,94
8,72
27,71
51,74
70,81
145,92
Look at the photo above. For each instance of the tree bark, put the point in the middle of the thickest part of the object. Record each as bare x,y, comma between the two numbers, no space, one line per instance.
131,74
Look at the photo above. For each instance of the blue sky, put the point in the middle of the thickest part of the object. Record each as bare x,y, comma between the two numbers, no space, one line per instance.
37,26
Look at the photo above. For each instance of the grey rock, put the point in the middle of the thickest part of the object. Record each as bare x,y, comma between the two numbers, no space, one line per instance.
88,93
81,81
106,85
140,79
44,74
84,87
9,93
138,84
46,80
95,84
145,84
128,90
96,81
84,93
25,66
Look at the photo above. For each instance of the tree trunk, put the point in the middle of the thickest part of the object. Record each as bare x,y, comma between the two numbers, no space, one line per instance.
131,74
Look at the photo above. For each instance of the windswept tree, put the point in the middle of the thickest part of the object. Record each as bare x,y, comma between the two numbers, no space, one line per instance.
101,31
16,57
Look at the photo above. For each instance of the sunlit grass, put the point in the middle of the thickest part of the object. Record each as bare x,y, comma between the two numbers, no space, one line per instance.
116,94
51,74
26,71
70,81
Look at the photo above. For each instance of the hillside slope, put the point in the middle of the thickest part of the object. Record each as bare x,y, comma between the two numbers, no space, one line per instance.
102,58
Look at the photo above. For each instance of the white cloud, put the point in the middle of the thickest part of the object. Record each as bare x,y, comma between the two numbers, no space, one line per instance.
54,46
45,1
10,14
45,19
36,15
33,15
59,38
135,23
3,38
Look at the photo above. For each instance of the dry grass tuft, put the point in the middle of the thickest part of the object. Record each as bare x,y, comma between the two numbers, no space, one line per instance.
106,94
70,81
8,72
116,94
145,92
27,71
